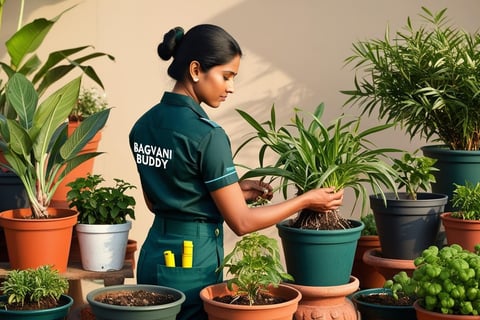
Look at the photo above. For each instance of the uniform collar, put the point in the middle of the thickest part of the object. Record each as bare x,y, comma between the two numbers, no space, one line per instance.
184,101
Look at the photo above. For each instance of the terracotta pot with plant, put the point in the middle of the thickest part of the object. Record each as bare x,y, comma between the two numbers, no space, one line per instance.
425,79
89,102
444,284
462,225
320,247
21,48
102,228
32,294
254,290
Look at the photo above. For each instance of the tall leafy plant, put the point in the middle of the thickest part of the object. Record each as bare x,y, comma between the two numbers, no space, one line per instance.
37,147
311,154
424,78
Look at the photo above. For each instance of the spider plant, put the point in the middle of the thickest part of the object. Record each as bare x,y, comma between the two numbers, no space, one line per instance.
314,155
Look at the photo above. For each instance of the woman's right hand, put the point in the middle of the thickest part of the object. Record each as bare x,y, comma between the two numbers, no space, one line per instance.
324,199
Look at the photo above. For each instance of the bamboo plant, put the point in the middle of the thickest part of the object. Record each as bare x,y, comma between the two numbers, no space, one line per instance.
311,154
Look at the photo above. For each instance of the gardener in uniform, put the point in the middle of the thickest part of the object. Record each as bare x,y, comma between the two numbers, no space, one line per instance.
187,173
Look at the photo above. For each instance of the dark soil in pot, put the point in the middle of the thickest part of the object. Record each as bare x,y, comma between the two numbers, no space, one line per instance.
261,299
135,298
386,299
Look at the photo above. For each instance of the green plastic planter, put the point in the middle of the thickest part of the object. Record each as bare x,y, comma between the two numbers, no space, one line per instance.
319,257
103,311
58,313
455,166
372,311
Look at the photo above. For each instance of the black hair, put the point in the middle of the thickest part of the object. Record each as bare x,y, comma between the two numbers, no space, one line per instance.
208,44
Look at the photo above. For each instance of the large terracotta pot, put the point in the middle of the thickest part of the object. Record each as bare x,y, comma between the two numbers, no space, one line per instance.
423,314
223,311
82,170
35,242
466,233
386,266
368,276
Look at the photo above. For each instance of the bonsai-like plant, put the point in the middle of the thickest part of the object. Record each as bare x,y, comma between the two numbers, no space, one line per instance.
313,155
39,288
101,204
466,201
414,173
444,280
424,79
254,264
36,145
89,102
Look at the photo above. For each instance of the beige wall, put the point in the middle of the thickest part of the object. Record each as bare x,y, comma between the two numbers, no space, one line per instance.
294,52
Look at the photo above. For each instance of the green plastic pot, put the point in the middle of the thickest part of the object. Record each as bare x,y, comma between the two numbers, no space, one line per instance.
373,311
455,166
319,257
103,311
58,313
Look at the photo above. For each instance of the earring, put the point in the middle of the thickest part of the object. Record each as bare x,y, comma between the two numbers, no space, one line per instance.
195,79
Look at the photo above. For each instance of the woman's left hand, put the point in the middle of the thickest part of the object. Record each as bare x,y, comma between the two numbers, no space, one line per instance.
252,189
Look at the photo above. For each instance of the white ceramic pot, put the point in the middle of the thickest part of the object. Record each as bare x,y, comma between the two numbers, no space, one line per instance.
103,246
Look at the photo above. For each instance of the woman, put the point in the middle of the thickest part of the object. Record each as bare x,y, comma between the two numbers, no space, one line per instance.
187,173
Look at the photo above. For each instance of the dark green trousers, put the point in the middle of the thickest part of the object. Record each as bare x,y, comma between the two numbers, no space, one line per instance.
169,234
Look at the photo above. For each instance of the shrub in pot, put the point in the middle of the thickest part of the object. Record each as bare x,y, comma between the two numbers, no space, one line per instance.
102,228
408,222
21,129
35,294
311,155
462,226
254,289
424,79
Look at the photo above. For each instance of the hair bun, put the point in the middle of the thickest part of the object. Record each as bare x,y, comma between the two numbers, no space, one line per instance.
171,41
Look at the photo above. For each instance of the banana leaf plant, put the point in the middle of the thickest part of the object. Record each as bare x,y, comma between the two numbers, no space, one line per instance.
312,155
23,58
36,144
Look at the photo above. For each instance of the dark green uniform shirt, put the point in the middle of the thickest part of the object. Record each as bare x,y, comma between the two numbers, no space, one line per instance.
181,156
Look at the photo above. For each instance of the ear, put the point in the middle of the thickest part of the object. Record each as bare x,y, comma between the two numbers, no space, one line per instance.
194,70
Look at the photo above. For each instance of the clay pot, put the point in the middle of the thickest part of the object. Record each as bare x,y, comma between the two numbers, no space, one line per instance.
368,276
423,314
386,266
466,233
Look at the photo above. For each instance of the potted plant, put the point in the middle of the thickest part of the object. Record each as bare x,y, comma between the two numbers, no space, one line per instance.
35,294
311,155
254,289
462,225
89,102
102,228
443,283
408,222
135,301
368,276
40,153
21,48
424,79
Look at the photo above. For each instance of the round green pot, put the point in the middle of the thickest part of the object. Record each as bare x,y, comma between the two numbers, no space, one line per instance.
103,311
373,311
319,257
406,227
58,313
454,167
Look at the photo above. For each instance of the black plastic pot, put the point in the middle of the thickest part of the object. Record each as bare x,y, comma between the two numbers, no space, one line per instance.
406,227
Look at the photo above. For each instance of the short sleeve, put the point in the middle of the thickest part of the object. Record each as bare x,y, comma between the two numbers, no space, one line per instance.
216,163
